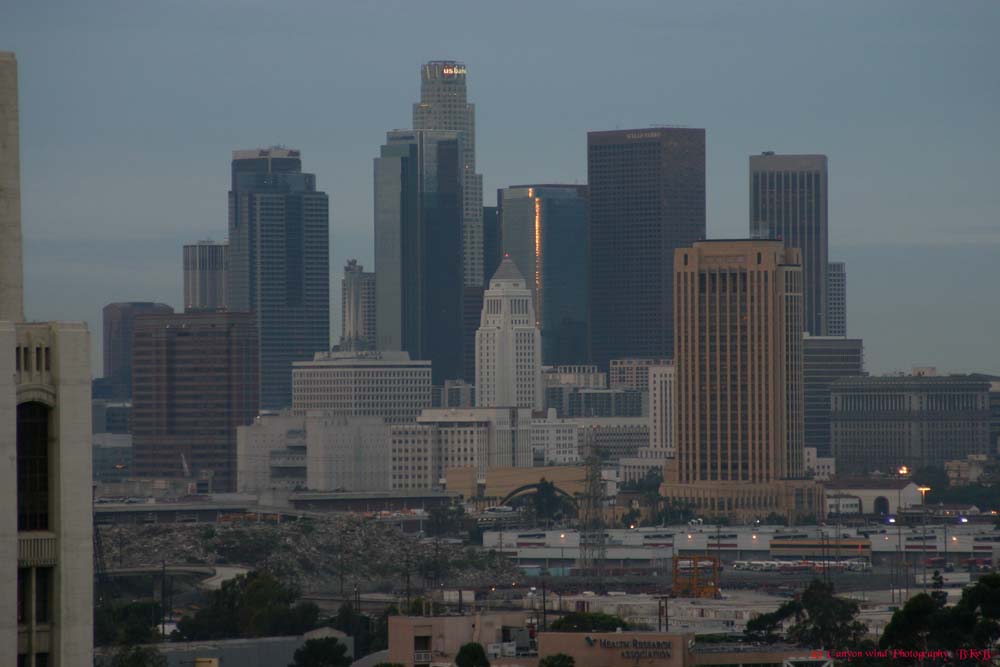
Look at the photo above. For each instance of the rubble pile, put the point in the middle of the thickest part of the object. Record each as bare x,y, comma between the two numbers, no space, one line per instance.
317,555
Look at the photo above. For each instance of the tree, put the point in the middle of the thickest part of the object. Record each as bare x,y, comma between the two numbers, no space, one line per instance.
251,605
557,660
546,501
767,627
925,623
582,621
325,652
471,655
674,512
130,623
445,521
138,656
827,621
356,625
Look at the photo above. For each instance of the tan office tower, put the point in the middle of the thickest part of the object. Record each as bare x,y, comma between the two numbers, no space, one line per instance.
738,361
46,530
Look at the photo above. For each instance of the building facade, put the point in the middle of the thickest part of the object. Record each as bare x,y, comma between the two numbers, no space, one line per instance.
206,264
788,201
347,453
46,526
196,382
508,344
389,385
271,454
444,105
883,423
647,198
662,389
279,263
418,248
119,323
357,308
632,373
543,229
492,245
738,365
836,299
825,359
479,439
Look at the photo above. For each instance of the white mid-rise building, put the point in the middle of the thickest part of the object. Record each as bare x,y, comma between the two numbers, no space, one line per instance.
480,438
271,454
661,413
347,453
383,384
554,440
823,467
508,344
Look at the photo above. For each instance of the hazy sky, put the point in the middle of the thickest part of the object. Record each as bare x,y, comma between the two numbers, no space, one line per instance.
129,112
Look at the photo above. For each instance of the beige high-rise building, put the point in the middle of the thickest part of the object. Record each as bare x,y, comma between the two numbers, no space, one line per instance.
738,365
46,528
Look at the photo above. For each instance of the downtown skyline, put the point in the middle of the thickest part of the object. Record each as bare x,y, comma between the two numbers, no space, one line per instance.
931,210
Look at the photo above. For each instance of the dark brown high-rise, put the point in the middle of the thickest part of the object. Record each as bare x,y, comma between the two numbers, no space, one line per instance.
119,319
195,380
647,198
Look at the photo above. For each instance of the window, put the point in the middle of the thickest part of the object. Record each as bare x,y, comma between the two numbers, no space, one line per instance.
32,466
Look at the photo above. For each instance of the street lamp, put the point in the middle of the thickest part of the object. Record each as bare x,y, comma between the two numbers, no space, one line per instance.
923,506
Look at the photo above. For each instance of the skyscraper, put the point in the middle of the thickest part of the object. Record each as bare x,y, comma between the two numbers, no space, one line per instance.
418,248
279,262
205,266
195,383
647,198
119,321
788,202
836,299
444,105
492,246
357,308
508,344
544,230
46,526
738,365
825,359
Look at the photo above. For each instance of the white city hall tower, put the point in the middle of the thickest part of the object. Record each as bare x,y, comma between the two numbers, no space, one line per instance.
508,344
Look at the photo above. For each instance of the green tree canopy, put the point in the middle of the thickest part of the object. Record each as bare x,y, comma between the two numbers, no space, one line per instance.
557,660
826,621
251,605
582,621
325,652
471,655
925,623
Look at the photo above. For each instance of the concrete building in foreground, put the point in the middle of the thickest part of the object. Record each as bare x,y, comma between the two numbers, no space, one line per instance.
271,454
46,526
347,453
738,365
